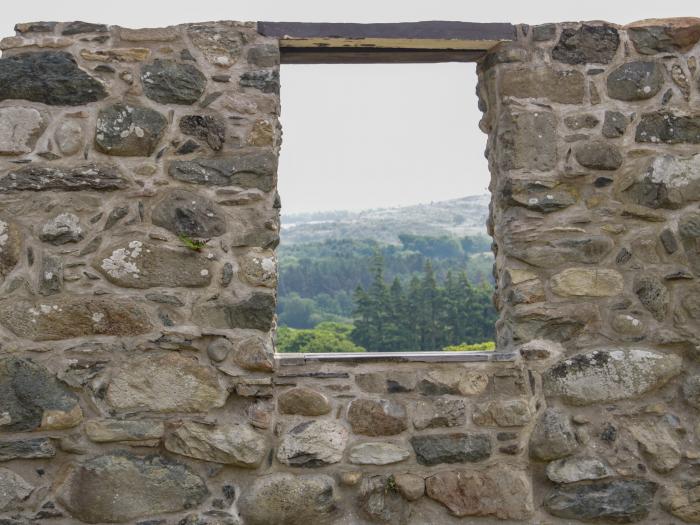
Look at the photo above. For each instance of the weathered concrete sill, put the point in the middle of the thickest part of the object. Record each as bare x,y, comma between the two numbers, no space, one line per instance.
394,357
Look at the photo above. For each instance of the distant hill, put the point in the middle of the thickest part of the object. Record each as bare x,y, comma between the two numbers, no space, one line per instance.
454,218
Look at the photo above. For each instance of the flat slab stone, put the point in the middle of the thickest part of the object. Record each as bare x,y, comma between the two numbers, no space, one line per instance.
615,501
230,444
120,487
110,430
607,375
588,282
31,398
303,401
20,128
564,87
246,170
451,448
165,383
37,448
97,177
73,316
377,453
501,491
49,77
138,264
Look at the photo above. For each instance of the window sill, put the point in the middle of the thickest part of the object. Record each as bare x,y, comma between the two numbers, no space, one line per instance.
394,357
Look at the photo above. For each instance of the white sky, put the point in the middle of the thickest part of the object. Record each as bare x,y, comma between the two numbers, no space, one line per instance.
361,136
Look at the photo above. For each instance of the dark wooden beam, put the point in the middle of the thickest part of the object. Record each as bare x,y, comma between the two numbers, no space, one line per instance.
433,30
354,55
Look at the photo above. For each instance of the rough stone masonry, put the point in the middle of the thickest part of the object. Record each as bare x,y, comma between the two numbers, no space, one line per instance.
138,382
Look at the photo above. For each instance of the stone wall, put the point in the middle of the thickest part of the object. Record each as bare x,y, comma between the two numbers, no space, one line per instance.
138,382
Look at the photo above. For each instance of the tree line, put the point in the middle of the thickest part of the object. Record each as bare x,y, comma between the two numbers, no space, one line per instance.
424,314
318,279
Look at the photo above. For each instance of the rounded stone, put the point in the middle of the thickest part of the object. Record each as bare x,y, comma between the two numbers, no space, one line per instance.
289,499
303,401
598,155
69,137
411,486
635,81
129,131
169,82
587,282
219,349
254,354
258,267
628,325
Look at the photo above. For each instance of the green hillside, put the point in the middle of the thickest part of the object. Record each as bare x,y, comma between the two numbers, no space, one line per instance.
399,279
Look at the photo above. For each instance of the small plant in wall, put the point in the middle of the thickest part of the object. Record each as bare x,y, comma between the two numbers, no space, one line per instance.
390,485
191,243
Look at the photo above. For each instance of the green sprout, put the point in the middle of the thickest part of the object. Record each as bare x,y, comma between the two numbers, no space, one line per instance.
193,244
390,485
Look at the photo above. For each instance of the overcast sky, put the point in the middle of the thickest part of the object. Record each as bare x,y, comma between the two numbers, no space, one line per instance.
362,136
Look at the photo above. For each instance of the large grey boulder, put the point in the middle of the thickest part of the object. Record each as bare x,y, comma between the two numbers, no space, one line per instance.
120,487
607,375
49,77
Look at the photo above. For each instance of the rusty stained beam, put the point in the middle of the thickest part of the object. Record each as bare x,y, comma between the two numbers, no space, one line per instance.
331,43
